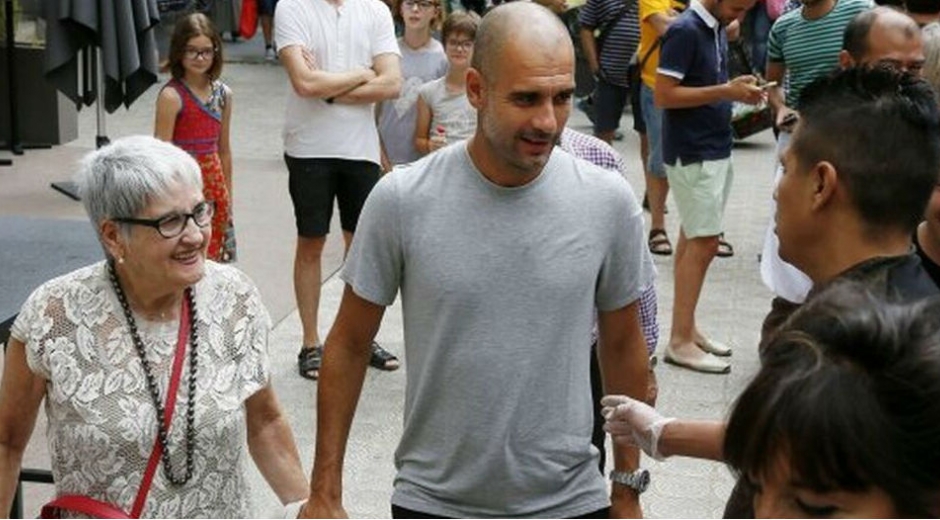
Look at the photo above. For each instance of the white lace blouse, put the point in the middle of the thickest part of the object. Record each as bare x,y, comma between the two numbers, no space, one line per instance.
101,417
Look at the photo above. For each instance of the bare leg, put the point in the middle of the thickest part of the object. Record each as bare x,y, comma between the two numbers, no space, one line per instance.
606,136
307,279
267,29
693,256
656,190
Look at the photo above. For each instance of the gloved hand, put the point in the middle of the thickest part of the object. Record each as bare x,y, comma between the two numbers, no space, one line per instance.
634,422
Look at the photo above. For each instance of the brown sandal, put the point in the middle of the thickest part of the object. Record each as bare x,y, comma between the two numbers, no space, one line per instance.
659,242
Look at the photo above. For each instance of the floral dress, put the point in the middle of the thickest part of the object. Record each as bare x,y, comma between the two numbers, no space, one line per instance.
101,418
197,130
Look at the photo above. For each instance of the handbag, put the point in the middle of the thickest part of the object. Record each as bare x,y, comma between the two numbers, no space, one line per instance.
747,120
248,21
635,72
96,508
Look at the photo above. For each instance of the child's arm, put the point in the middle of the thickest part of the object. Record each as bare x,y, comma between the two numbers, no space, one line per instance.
225,149
169,105
423,127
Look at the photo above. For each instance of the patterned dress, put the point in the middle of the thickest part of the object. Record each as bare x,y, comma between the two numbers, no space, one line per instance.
101,418
197,130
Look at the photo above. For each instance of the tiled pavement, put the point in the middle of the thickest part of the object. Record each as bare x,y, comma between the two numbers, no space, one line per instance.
733,303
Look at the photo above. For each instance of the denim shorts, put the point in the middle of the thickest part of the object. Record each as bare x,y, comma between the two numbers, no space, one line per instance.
653,117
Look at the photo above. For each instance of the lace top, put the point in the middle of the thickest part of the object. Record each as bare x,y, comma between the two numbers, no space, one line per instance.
101,418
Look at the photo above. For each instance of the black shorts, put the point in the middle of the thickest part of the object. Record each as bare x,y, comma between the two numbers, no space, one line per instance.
315,182
266,7
609,102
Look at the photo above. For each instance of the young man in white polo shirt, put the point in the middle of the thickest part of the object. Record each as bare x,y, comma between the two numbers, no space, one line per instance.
341,57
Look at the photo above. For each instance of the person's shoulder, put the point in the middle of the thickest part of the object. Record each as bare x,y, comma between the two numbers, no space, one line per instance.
226,279
854,6
788,18
69,284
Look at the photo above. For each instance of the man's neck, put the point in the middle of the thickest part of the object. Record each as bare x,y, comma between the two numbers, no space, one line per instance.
818,9
841,255
491,167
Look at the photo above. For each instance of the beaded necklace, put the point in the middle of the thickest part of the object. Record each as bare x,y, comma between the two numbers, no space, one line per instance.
152,383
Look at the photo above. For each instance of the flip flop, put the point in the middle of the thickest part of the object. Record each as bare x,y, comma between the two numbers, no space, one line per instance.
658,242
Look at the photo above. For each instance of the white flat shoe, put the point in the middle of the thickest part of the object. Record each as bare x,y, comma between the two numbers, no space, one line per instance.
708,363
714,347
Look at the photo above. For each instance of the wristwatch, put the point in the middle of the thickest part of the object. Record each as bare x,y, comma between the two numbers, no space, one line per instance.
638,480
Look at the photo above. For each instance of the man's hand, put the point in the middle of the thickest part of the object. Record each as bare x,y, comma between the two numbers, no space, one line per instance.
316,507
624,503
786,118
744,89
634,422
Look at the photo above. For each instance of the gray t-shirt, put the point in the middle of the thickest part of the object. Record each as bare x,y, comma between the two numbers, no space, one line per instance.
498,290
450,111
399,116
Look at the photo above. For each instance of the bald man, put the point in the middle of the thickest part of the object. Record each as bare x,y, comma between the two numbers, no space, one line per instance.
501,246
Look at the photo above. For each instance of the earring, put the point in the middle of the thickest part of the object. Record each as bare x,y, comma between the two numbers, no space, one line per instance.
120,259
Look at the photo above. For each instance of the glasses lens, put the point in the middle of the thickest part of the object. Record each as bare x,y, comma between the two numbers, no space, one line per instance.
171,225
203,212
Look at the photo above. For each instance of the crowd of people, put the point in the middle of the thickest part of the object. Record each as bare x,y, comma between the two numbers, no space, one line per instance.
523,262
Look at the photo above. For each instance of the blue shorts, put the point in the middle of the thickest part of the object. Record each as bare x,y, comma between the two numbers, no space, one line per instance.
653,117
266,7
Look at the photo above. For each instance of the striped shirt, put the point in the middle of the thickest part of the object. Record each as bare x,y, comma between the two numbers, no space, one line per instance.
809,49
621,40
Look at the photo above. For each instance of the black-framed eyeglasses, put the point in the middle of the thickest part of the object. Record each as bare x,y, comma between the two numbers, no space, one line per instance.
420,4
193,53
172,225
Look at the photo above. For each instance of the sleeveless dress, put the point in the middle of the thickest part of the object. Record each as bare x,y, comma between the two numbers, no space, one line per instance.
197,130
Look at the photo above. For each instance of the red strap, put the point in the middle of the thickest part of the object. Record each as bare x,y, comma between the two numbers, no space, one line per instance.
167,409
80,504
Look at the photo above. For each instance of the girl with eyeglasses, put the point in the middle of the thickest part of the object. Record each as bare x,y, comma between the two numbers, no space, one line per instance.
194,112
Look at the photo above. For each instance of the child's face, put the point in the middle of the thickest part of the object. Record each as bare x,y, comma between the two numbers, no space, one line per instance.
199,55
459,49
418,14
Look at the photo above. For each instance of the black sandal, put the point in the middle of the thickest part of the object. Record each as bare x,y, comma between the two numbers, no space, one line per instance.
658,242
383,359
308,362
725,250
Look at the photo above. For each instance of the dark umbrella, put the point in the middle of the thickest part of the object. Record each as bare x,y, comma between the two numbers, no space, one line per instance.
121,30
115,41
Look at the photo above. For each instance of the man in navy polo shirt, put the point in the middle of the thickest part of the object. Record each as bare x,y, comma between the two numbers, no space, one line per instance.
692,86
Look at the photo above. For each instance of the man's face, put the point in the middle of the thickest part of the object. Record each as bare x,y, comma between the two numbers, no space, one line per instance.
891,46
727,11
794,196
523,105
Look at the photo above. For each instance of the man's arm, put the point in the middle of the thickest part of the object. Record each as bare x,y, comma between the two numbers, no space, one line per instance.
624,365
308,81
345,359
689,438
385,85
589,44
660,22
669,93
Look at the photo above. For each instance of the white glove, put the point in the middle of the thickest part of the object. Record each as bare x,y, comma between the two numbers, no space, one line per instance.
634,422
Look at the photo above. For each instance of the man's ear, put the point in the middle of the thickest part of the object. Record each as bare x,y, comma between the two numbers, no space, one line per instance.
845,59
825,184
475,88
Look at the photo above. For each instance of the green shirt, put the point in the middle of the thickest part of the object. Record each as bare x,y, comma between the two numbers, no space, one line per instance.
810,49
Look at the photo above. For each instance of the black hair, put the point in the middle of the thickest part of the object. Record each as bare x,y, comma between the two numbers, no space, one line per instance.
880,129
922,6
849,395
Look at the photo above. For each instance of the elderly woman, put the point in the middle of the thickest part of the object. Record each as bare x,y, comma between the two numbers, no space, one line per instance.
841,421
100,344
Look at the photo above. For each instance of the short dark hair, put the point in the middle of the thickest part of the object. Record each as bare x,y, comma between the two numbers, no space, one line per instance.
460,22
855,37
849,396
922,6
880,129
187,28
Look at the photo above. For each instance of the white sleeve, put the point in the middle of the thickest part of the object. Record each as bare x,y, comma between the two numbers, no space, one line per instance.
383,34
289,25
